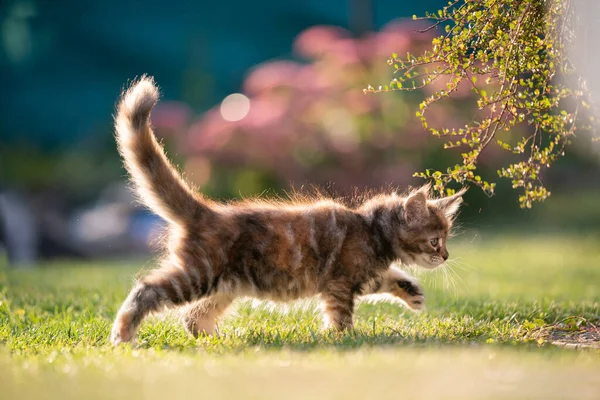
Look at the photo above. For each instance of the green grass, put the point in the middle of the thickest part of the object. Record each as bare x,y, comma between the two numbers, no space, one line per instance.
483,335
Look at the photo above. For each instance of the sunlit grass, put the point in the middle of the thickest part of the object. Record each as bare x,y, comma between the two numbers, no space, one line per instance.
479,335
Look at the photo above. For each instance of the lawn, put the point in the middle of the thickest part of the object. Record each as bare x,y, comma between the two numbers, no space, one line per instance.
487,332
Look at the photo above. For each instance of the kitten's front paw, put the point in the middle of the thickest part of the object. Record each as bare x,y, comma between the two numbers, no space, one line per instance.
412,294
416,303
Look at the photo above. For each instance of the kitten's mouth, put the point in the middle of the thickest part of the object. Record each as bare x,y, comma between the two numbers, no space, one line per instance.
429,262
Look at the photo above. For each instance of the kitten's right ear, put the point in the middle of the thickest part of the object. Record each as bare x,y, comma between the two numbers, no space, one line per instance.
415,208
449,205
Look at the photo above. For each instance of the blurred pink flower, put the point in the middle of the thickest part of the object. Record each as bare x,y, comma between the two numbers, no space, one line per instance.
358,103
264,111
344,51
171,116
311,123
209,132
270,75
316,41
310,78
393,39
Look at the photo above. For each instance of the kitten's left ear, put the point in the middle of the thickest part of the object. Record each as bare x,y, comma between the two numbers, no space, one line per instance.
449,205
415,209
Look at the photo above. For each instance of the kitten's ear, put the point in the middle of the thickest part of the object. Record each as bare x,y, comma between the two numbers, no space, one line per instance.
415,208
425,189
449,205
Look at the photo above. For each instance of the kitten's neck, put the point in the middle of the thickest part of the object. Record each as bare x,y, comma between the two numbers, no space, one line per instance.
385,226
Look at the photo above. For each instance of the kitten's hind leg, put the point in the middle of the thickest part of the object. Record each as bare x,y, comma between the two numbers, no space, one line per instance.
339,307
201,316
164,286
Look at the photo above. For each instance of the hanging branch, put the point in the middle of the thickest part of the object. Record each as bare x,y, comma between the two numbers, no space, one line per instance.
513,55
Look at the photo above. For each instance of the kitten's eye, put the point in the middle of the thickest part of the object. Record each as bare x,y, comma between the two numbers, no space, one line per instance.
434,242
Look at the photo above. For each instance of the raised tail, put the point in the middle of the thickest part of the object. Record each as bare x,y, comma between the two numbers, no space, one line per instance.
158,184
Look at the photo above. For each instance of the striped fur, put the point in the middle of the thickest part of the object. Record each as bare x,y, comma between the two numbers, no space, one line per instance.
269,250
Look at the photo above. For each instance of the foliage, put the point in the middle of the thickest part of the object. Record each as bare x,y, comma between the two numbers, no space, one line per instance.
513,54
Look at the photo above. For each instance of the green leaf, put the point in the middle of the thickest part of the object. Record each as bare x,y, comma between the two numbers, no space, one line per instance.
519,51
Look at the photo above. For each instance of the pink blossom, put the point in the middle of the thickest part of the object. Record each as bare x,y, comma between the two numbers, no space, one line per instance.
310,78
311,123
345,51
270,75
171,116
318,40
264,111
392,40
209,132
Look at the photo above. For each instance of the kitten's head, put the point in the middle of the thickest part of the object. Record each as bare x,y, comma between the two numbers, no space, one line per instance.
427,224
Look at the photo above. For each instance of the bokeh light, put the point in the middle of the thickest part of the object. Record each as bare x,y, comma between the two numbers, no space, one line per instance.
235,107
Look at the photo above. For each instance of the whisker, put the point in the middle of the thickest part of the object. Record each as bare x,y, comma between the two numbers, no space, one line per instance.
452,271
450,278
445,278
433,275
462,283
458,263
424,277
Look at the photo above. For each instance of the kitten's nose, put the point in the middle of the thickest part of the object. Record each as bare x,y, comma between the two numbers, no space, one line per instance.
445,254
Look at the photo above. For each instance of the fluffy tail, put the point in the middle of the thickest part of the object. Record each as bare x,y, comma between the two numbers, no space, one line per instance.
159,185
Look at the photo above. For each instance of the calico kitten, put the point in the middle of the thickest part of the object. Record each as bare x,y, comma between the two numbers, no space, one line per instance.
270,250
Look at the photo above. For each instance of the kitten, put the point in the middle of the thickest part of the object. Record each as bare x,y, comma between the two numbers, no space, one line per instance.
270,250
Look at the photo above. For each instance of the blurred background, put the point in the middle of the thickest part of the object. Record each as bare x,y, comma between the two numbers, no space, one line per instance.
258,98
